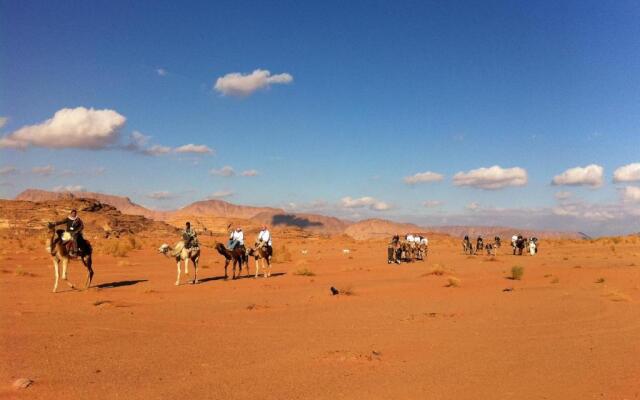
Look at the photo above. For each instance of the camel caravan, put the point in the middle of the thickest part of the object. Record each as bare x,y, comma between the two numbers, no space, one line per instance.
69,244
518,244
412,247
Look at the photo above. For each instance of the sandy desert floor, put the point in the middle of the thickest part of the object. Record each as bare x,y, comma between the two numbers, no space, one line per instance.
570,329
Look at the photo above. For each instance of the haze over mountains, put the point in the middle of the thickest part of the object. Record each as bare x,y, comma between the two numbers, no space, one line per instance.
215,215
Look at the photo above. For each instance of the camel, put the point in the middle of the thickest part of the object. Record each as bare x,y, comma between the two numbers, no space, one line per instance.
262,256
57,248
181,253
237,255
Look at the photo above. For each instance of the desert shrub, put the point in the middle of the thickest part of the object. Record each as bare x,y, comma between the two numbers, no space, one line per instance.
452,281
118,248
281,254
348,291
437,270
555,280
304,272
600,280
517,272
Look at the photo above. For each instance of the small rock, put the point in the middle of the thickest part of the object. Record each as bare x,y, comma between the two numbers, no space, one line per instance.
22,383
509,289
334,291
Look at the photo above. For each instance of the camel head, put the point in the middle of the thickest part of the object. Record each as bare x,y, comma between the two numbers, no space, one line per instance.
164,249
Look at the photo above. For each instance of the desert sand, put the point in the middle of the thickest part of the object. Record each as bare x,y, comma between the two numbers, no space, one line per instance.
569,329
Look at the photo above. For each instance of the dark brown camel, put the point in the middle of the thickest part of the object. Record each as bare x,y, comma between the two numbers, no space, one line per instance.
59,251
237,255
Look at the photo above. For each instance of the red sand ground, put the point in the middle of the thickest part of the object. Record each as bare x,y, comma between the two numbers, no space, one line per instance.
401,334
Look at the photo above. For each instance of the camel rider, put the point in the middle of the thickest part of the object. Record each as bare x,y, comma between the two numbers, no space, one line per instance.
264,240
189,236
479,243
74,226
236,239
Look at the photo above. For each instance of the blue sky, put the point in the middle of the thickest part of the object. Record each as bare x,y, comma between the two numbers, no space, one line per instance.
379,91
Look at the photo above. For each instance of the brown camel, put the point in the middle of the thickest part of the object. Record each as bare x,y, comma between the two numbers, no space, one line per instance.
262,255
181,253
57,248
237,255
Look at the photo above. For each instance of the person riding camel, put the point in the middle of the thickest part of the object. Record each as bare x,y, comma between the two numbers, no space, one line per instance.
74,226
189,236
264,240
479,243
236,238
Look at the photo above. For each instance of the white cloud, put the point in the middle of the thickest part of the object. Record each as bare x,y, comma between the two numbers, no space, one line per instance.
423,177
161,195
250,172
80,127
563,195
627,173
3,121
194,148
226,171
432,203
139,143
591,175
157,150
221,194
45,171
592,212
8,170
367,201
69,188
237,84
473,206
491,178
631,194
161,72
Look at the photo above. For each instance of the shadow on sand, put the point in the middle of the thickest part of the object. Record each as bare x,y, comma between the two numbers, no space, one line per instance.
111,285
221,278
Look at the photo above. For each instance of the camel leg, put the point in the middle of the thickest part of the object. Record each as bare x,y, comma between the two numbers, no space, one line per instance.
65,265
265,271
269,267
257,264
195,271
55,270
178,278
226,264
88,263
186,266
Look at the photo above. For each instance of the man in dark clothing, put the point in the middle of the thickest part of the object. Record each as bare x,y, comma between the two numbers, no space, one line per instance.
189,236
75,227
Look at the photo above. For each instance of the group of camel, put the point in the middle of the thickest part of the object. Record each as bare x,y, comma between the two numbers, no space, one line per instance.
58,246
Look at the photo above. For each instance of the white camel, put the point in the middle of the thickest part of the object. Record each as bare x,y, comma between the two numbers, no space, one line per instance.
532,248
183,254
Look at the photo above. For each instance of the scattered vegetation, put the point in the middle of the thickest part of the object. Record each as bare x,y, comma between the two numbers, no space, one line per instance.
600,280
20,272
120,247
452,281
348,291
305,272
281,254
617,296
437,270
555,280
517,272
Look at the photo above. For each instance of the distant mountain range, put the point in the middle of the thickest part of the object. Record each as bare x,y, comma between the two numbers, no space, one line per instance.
215,215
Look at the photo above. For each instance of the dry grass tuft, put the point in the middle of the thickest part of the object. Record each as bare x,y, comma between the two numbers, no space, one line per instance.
452,281
517,272
20,272
437,270
600,280
555,280
617,296
281,255
304,272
